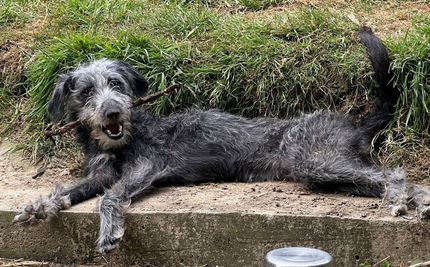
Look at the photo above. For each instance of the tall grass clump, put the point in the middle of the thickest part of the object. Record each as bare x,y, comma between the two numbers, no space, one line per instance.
411,68
274,66
278,67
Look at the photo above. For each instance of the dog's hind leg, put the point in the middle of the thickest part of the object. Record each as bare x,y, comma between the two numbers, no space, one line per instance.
419,197
113,203
360,180
101,175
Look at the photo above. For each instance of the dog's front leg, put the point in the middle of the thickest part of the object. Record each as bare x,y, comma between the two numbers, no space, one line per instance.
100,175
112,205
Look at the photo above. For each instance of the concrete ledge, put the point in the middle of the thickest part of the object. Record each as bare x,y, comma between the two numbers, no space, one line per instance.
222,239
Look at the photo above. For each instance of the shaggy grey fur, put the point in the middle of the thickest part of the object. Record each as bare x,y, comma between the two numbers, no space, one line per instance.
129,151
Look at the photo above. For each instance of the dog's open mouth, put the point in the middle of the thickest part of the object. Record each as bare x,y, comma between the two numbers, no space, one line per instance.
113,130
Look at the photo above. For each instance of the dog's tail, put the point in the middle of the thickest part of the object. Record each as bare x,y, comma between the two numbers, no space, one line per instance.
388,96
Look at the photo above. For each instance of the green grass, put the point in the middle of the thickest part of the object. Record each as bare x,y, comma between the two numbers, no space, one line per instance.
411,68
263,67
10,13
18,12
242,5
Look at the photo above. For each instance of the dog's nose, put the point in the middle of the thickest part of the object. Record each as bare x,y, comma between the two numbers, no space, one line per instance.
112,114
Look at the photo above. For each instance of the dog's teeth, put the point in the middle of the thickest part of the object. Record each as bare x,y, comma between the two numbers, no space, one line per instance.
108,131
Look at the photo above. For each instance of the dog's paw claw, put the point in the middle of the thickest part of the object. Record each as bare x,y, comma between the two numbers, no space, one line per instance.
25,216
107,245
399,210
21,218
424,213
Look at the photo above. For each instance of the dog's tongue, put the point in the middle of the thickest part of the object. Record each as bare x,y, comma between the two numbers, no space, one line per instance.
113,128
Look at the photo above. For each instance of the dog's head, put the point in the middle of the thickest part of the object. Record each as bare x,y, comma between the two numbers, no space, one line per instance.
100,95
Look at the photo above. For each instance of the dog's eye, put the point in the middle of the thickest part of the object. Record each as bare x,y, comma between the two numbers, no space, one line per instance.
87,92
115,83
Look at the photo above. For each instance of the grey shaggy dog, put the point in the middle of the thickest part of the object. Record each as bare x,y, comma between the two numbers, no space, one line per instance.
129,151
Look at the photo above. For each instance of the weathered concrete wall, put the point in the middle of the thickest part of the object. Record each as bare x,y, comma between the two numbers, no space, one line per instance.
217,239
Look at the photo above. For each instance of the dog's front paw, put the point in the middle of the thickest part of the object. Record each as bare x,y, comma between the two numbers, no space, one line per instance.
399,210
44,209
107,244
31,214
109,238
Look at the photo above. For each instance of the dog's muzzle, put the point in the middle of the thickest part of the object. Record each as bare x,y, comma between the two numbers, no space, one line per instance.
114,128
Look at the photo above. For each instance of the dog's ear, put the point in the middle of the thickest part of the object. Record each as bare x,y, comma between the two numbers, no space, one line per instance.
57,103
138,84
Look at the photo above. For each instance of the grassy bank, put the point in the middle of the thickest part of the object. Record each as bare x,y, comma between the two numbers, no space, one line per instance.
249,57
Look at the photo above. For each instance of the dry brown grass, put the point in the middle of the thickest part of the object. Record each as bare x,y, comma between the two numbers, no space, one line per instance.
13,57
387,18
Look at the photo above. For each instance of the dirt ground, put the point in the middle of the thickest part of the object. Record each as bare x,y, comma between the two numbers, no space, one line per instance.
18,187
26,263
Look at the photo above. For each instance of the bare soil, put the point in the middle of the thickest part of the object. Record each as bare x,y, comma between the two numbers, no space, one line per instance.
274,198
27,263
